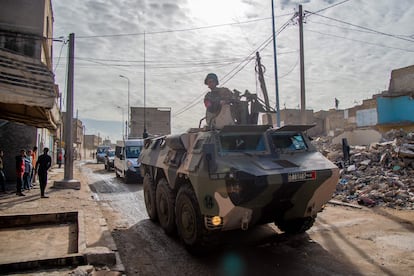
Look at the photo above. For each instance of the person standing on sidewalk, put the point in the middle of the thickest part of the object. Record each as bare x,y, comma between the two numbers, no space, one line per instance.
33,174
2,176
27,182
20,172
60,158
44,162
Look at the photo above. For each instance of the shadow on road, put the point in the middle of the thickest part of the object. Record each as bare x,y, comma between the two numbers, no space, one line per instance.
146,250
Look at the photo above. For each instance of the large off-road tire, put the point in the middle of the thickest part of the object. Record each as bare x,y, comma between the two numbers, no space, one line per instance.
189,220
296,226
149,197
165,201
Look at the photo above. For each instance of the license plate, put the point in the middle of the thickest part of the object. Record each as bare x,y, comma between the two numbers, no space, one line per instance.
300,176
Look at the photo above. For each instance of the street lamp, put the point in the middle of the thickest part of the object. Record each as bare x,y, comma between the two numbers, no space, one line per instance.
123,137
127,131
145,133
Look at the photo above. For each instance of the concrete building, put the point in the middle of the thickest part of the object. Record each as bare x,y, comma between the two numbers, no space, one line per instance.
365,123
29,113
157,121
293,117
396,106
91,142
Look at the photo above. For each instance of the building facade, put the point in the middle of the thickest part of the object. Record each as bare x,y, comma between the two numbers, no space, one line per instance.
29,113
157,121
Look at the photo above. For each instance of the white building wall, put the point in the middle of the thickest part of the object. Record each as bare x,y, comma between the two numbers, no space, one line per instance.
366,117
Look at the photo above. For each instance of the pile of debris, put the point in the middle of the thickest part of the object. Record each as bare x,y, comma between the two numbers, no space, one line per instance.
377,175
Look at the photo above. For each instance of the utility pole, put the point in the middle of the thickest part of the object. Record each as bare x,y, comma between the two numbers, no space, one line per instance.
68,181
302,69
259,70
275,65
69,111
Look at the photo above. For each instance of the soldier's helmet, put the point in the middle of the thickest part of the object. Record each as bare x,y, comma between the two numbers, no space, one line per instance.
211,76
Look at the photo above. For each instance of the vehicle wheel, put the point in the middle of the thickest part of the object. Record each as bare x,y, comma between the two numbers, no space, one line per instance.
165,201
188,219
149,197
295,226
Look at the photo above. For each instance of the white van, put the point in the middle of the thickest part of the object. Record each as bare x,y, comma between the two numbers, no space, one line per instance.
126,163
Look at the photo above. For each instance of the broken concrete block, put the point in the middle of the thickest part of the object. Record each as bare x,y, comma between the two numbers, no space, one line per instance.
99,255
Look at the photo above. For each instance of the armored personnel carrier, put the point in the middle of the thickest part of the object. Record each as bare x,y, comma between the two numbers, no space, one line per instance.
208,180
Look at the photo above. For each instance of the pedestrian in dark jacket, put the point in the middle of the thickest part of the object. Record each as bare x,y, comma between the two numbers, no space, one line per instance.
44,162
19,172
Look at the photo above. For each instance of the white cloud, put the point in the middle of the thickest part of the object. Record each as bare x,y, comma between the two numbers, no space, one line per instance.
341,60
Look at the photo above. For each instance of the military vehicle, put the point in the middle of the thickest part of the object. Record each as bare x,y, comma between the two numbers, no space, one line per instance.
233,173
208,180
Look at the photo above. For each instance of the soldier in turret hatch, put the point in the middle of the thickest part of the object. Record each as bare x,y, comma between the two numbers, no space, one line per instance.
217,103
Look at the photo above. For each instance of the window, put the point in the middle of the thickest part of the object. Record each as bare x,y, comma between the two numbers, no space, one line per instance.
242,142
133,151
118,151
288,142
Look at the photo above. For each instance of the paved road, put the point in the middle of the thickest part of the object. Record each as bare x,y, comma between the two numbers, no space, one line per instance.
344,241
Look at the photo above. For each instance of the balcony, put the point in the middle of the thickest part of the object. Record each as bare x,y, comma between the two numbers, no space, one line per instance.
28,93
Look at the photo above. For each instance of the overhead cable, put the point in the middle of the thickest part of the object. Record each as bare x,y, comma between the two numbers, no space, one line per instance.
180,30
362,27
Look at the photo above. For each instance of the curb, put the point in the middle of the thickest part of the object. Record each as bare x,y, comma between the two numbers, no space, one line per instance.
46,256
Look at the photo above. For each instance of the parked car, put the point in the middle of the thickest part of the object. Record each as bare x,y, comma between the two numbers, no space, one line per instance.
109,159
100,153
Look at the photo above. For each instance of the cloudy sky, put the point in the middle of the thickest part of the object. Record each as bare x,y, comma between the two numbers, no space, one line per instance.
350,46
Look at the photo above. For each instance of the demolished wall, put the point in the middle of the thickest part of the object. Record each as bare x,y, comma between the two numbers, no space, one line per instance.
377,175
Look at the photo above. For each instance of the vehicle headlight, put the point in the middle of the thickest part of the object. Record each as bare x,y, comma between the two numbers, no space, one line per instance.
216,220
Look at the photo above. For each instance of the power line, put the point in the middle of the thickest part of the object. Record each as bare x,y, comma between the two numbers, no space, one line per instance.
161,64
236,69
366,42
331,6
362,27
259,48
340,27
60,53
181,30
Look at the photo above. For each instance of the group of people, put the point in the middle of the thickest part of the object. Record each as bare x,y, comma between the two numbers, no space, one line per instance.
27,168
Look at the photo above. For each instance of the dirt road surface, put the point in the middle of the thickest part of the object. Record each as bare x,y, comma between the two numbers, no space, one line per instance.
343,241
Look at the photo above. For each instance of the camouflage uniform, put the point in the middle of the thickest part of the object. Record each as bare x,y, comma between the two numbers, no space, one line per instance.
218,111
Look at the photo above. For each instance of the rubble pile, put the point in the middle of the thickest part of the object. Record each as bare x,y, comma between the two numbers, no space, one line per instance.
378,175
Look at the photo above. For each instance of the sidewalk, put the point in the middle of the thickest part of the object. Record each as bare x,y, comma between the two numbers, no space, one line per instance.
59,233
